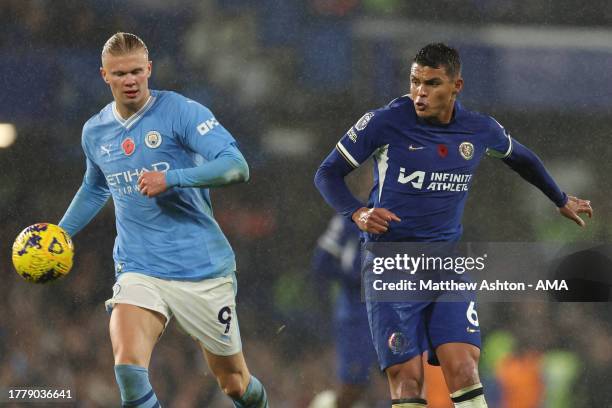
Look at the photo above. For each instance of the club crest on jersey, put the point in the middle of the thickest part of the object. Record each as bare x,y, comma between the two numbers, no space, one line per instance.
466,149
153,139
363,122
128,146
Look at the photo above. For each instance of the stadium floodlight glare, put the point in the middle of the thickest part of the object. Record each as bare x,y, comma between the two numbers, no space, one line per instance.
8,134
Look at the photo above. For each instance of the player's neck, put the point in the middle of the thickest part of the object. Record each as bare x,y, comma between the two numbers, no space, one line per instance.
445,117
127,111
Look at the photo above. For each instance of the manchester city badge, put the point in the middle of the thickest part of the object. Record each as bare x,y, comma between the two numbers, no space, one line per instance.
153,139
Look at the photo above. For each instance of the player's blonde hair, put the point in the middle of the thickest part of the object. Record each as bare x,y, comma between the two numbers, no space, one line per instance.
123,43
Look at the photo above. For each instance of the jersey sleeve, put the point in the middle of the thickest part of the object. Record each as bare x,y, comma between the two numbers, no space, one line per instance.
360,141
94,177
530,167
499,142
200,131
227,168
89,199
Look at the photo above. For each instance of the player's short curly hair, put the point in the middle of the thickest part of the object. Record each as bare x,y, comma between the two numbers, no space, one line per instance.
438,55
123,43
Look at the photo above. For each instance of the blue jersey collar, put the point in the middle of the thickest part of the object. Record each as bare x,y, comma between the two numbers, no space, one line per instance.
457,112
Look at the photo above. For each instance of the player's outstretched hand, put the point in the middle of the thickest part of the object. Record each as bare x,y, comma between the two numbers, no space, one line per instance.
574,207
152,183
374,220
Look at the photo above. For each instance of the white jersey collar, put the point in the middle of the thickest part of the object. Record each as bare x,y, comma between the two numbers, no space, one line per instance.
129,122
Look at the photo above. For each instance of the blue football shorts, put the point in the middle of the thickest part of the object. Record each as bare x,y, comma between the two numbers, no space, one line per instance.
403,330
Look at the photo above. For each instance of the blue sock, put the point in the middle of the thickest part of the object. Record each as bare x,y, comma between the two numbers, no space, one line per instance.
254,396
135,388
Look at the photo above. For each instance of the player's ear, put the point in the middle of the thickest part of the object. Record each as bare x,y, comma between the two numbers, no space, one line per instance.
458,85
149,69
103,74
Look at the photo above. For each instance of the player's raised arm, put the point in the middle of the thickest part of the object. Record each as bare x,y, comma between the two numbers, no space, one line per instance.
229,167
88,201
529,166
202,134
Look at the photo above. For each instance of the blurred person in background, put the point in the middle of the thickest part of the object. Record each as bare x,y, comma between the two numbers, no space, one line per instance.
157,153
413,138
337,258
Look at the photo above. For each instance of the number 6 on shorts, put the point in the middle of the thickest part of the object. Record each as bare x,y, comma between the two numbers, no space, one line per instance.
471,314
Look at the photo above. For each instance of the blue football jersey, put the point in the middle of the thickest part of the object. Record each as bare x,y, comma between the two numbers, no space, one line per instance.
174,235
422,171
338,252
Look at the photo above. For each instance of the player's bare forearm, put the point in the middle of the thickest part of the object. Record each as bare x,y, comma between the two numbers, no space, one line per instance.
152,183
574,207
374,220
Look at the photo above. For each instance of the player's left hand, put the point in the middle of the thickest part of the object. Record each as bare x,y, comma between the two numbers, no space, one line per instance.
574,207
152,183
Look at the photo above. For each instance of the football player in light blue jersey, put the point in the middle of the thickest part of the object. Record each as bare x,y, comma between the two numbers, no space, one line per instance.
157,153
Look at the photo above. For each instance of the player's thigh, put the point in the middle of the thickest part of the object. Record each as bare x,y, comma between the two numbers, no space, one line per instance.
206,310
455,341
452,322
138,318
134,332
451,354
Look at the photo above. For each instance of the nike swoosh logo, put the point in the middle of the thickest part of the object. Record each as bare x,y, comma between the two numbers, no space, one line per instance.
413,148
470,330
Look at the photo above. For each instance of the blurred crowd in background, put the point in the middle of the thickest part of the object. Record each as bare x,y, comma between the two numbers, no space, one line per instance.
287,79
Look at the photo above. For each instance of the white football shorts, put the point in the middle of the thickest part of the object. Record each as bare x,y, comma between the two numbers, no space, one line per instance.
205,310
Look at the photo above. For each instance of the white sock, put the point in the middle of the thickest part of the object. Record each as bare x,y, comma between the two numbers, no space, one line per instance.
469,397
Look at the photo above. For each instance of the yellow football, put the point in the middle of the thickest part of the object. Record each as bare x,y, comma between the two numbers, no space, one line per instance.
43,252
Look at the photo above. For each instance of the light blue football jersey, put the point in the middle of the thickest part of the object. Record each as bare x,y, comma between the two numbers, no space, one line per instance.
174,235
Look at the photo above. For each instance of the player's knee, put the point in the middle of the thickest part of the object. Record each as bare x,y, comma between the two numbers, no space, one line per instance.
232,385
403,383
126,355
464,373
131,359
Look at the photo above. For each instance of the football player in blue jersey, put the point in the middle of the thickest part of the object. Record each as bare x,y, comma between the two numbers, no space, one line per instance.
426,147
157,153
